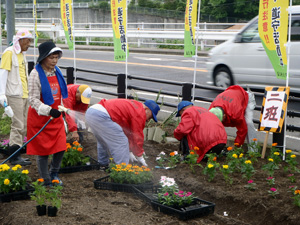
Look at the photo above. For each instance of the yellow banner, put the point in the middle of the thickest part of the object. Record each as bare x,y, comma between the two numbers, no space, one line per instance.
119,21
272,27
66,17
36,36
189,28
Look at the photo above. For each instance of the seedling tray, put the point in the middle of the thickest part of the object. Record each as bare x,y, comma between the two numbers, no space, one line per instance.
197,209
16,196
105,183
93,165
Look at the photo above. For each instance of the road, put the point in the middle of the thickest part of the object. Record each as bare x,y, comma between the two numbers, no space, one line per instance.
169,67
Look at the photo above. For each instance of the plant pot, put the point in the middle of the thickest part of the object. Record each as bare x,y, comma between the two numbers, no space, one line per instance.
41,210
52,211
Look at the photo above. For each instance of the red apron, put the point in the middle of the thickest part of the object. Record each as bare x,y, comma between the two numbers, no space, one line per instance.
53,138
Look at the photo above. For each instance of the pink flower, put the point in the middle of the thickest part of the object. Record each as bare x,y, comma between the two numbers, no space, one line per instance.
175,193
291,187
290,175
181,195
180,192
188,194
273,189
166,194
250,181
269,178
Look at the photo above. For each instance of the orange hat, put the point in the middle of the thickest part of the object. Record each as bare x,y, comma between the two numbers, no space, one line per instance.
86,93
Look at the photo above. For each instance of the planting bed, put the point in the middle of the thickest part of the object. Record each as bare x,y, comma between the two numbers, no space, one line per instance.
82,203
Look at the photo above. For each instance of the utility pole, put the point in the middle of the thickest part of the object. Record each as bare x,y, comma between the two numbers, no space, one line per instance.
10,20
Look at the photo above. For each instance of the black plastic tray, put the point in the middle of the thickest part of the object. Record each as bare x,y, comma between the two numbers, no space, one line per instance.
198,208
94,165
104,183
16,196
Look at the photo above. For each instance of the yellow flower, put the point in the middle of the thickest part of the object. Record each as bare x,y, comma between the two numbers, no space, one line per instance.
136,173
18,166
14,168
123,164
234,156
274,144
25,171
293,156
210,166
276,153
248,162
225,166
6,181
270,159
297,192
241,155
288,151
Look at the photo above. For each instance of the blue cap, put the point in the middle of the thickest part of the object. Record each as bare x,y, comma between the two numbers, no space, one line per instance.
181,105
153,107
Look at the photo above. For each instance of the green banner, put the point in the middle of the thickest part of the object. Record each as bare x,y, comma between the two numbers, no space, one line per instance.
189,28
66,17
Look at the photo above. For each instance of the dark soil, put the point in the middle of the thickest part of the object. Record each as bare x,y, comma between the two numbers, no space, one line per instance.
83,204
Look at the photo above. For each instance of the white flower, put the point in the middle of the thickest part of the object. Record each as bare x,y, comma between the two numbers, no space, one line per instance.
162,153
158,158
175,152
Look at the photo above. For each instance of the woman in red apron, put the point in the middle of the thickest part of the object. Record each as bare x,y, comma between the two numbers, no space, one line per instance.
47,87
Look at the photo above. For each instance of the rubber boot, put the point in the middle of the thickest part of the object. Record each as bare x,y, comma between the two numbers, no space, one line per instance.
17,159
184,147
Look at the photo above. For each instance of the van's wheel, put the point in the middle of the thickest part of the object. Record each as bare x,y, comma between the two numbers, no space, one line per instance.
223,77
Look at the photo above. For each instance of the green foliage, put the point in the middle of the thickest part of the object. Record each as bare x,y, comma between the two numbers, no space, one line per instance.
53,195
191,159
4,123
73,156
39,194
211,167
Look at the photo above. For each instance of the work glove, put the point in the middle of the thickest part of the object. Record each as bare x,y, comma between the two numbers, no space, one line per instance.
142,161
132,158
55,113
3,99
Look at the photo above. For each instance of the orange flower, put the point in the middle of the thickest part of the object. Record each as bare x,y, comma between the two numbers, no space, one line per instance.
41,180
75,143
236,144
274,144
229,148
192,153
254,139
55,181
74,148
79,149
215,159
196,148
172,153
136,173
297,192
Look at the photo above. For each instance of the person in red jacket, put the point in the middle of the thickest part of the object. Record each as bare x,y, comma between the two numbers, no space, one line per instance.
234,107
201,128
78,100
118,126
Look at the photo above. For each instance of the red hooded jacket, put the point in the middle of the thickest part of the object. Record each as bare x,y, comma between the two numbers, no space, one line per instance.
71,103
131,116
234,101
202,128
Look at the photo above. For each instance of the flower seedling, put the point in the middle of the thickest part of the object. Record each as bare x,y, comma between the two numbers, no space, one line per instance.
296,198
250,185
211,167
174,159
191,159
273,192
39,194
270,167
247,169
73,155
161,158
291,161
271,181
226,174
292,178
53,195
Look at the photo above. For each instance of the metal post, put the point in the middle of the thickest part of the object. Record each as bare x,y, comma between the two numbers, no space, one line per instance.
30,66
279,138
121,82
70,75
10,20
187,91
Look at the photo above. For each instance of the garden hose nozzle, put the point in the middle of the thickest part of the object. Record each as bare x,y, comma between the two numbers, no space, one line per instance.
8,111
63,109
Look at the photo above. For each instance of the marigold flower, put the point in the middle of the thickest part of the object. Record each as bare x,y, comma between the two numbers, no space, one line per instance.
172,153
276,153
248,162
293,156
25,171
192,153
254,139
123,164
74,148
229,148
288,151
215,159
274,144
14,168
55,181
6,181
75,143
136,173
236,144
270,159
41,180
79,149
234,156
297,192
241,155
18,166
196,148
210,166
225,166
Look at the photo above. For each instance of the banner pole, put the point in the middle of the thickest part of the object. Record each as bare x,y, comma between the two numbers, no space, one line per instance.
73,36
126,63
34,29
196,51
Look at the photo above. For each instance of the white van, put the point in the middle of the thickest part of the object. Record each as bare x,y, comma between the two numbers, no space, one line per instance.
243,60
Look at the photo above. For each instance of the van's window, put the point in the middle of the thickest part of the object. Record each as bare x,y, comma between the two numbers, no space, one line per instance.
251,33
295,33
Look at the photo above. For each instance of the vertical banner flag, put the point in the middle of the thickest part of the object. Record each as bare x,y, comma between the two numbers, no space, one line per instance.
36,36
272,27
66,17
189,28
118,20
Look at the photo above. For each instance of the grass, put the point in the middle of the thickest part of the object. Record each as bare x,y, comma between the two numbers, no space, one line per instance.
4,123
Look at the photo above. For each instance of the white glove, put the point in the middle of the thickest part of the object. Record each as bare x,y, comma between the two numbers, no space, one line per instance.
142,161
3,99
132,158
